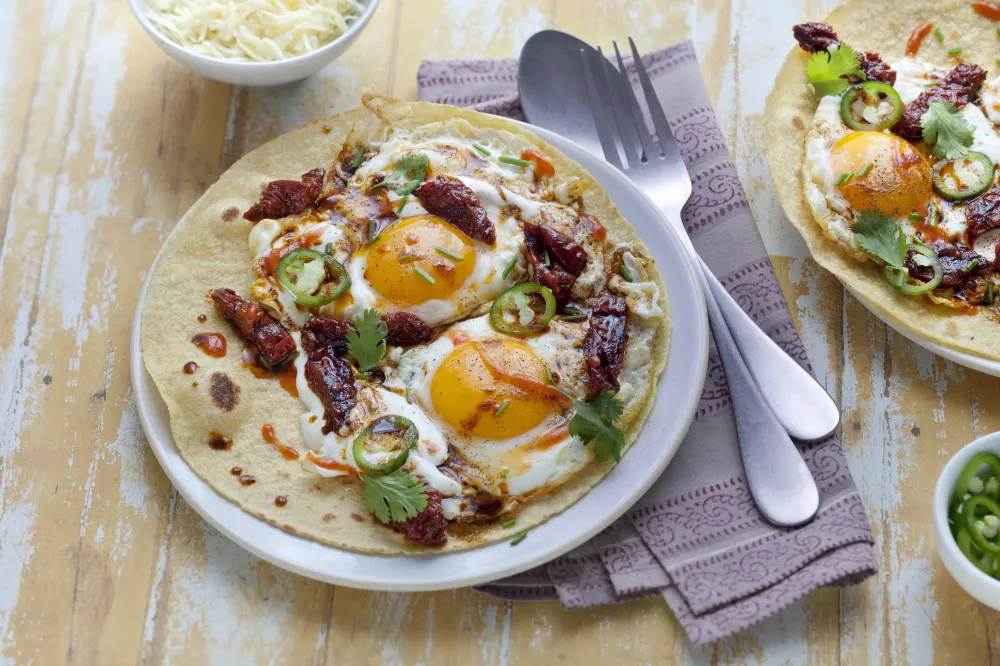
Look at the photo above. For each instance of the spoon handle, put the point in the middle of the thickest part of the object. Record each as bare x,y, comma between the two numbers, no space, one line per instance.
797,400
779,481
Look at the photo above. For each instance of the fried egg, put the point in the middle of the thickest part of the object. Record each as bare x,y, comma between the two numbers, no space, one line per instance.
899,180
490,395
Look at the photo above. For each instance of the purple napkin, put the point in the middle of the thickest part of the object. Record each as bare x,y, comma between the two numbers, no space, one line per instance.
696,537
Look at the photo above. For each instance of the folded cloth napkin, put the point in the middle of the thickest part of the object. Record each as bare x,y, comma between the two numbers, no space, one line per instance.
696,537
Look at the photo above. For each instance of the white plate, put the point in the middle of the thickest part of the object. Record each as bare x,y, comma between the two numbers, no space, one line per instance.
979,363
676,399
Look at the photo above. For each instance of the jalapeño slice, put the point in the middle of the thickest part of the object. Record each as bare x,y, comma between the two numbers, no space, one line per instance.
964,178
391,434
335,280
897,277
523,309
862,107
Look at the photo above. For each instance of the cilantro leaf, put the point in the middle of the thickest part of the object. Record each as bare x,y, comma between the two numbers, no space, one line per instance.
367,342
597,421
407,175
831,72
880,235
394,497
947,130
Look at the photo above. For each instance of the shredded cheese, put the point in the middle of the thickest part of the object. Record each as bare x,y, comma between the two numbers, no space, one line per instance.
253,30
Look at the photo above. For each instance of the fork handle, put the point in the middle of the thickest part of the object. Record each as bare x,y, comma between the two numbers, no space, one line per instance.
798,401
779,481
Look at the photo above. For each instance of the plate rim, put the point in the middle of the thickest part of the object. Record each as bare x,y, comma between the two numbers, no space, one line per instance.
199,494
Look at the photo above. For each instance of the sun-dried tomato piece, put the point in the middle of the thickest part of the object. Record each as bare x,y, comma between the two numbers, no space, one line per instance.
453,201
331,378
960,87
958,264
254,325
604,346
876,69
405,330
325,334
813,37
983,213
567,259
427,528
282,198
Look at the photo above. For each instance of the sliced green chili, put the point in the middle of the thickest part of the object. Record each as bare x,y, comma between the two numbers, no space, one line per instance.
391,434
336,281
505,314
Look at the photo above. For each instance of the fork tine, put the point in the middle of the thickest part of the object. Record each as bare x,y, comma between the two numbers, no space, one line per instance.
599,109
649,150
618,105
667,142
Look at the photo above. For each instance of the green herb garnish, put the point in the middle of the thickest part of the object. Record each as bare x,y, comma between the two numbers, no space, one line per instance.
863,171
358,157
407,175
448,253
832,71
843,178
597,421
482,150
503,407
367,342
955,51
548,376
939,35
402,204
510,267
626,273
509,523
880,236
947,130
394,497
916,217
515,161
423,274
519,538
409,398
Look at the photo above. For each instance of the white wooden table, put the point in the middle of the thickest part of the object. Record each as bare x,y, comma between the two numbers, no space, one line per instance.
105,143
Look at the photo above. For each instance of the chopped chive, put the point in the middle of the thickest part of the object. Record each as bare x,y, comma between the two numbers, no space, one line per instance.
939,35
989,293
932,216
372,236
955,51
329,249
548,259
576,317
505,405
843,178
916,217
402,204
504,472
510,267
482,150
358,156
997,61
403,258
548,376
514,161
363,376
570,310
448,253
509,523
409,398
424,274
971,266
864,170
519,538
626,274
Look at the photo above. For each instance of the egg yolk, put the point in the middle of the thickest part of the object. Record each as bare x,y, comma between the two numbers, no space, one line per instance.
419,259
897,183
477,378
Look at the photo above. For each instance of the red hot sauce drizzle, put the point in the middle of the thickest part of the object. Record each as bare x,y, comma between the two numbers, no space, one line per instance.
280,501
286,373
267,432
213,344
190,368
219,442
987,10
917,37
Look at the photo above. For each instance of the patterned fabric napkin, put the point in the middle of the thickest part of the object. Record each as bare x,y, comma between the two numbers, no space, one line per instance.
696,537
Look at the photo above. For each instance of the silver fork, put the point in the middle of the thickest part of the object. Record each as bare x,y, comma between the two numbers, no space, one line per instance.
772,395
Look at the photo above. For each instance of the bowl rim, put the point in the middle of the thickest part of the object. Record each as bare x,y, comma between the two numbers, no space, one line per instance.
138,10
942,497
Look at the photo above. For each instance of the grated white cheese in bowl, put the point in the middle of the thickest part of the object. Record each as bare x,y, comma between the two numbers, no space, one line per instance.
252,30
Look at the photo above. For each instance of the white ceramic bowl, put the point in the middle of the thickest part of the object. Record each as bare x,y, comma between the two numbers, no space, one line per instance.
983,588
255,73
